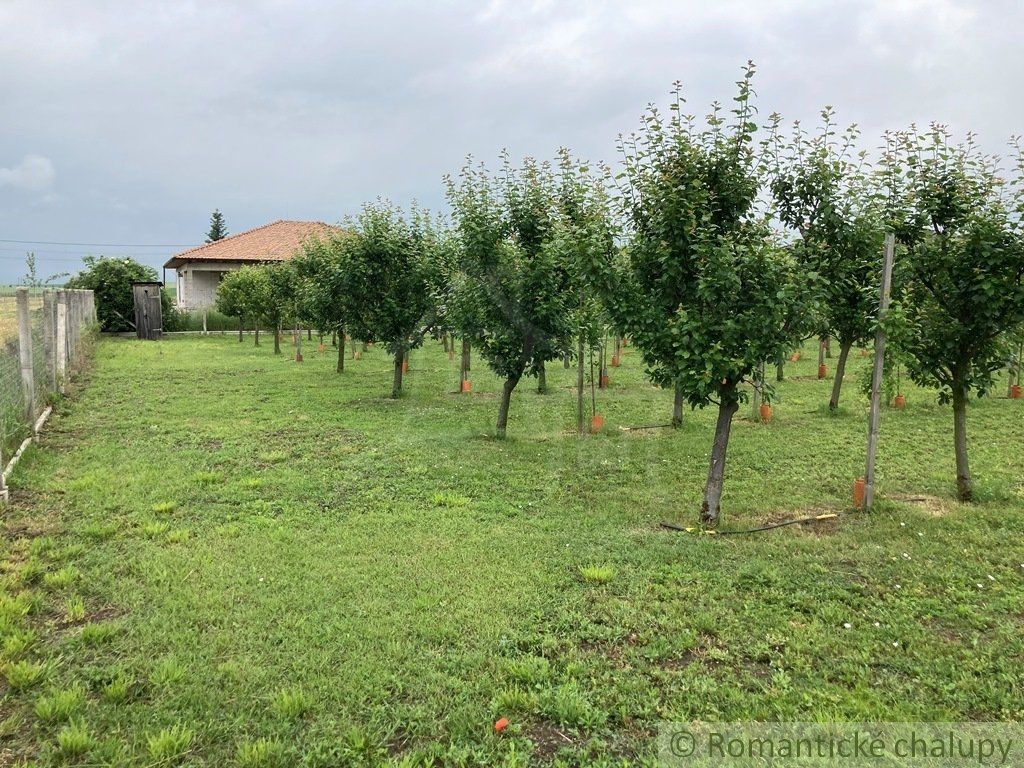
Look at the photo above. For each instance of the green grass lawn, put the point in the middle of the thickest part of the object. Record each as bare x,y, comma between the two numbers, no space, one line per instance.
219,557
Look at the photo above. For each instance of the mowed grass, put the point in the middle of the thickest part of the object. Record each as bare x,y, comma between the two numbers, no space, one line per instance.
221,557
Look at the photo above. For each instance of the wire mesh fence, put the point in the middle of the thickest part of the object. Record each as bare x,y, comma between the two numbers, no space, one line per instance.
43,335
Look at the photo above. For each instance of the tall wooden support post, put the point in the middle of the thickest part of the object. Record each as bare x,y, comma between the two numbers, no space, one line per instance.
876,374
61,346
755,400
28,384
50,338
464,365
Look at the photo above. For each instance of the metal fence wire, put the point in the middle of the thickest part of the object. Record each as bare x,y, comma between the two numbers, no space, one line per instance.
43,335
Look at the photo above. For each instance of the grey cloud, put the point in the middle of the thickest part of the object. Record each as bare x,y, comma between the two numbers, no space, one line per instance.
33,174
156,113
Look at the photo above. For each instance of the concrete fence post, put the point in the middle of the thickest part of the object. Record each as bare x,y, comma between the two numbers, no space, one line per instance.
4,495
61,339
73,326
25,354
49,341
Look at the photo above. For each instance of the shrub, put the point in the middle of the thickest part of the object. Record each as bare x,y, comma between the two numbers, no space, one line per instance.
111,281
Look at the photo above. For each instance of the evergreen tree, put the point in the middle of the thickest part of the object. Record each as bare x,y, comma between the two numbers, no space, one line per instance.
218,229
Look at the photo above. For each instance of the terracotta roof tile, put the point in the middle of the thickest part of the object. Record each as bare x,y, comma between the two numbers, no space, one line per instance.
277,241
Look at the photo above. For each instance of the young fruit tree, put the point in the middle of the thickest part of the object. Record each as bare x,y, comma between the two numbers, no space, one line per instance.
585,234
512,279
959,218
232,298
276,294
323,289
242,294
823,193
705,294
384,260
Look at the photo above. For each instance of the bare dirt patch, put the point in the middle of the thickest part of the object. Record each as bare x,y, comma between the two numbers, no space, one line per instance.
547,739
932,505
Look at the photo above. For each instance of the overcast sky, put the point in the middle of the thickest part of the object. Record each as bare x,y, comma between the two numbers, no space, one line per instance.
128,122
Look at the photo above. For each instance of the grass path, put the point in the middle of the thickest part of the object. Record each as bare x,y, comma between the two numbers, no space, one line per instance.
219,557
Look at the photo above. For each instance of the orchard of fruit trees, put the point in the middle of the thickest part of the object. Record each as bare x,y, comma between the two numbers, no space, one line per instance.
715,246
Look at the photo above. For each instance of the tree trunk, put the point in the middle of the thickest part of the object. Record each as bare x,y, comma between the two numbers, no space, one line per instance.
828,347
567,361
581,383
710,510
677,407
256,333
334,338
821,351
309,334
277,338
341,354
444,342
396,387
241,328
542,380
506,398
964,489
464,363
780,369
837,384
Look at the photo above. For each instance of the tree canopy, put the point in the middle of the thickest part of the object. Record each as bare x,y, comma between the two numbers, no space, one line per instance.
824,193
704,291
959,220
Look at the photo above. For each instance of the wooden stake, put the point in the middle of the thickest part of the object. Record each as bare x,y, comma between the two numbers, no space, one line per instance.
876,374
755,400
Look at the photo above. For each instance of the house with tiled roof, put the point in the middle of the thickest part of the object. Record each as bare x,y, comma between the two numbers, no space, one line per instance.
199,270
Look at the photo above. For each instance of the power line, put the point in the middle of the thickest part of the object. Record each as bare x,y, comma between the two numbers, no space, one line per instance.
79,259
104,245
38,251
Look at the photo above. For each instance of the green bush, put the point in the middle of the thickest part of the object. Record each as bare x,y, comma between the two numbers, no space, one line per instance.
111,281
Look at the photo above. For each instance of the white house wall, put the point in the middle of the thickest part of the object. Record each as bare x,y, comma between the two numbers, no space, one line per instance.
198,282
